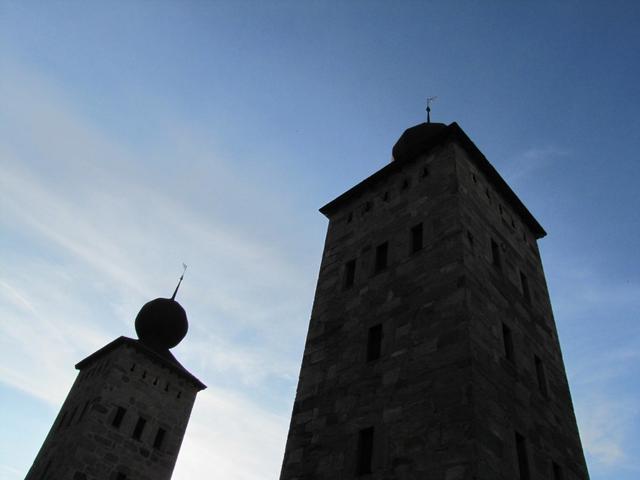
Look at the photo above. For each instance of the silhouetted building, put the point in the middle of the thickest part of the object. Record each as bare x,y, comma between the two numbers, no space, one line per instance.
127,411
432,352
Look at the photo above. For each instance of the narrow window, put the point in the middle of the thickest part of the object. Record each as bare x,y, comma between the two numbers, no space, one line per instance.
367,206
495,255
416,238
474,178
349,273
155,382
405,184
119,416
365,451
157,442
470,238
137,431
179,395
385,196
541,376
525,287
166,387
382,252
486,192
425,171
144,374
523,460
374,343
83,411
133,367
558,474
350,217
508,343
501,210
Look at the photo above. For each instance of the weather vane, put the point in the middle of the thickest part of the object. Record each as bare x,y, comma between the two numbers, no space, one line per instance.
184,269
429,102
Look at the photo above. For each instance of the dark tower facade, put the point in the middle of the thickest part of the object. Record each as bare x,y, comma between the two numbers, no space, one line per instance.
128,409
432,352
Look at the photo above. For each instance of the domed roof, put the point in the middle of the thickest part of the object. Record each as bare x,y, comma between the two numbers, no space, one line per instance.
162,323
415,140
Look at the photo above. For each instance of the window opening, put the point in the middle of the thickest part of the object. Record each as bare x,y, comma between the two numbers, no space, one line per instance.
133,367
425,171
119,416
541,376
405,184
365,451
495,255
350,217
139,428
374,343
558,474
157,442
385,196
525,287
523,460
382,253
349,273
416,238
508,343
121,476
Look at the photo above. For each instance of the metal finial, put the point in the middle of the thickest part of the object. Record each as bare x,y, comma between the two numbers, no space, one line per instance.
429,102
184,269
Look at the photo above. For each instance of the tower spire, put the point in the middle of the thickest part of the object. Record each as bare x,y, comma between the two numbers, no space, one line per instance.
429,102
184,269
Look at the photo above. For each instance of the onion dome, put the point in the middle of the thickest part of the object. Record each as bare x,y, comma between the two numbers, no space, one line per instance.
416,140
162,323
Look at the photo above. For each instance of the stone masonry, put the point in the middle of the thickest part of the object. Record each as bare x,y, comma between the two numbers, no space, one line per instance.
124,418
432,351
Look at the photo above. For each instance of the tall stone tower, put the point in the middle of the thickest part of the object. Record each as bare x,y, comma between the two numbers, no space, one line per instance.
432,352
127,411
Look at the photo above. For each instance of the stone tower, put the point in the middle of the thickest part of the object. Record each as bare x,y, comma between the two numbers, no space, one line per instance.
432,352
127,411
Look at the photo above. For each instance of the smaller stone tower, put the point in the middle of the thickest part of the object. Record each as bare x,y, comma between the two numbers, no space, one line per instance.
127,412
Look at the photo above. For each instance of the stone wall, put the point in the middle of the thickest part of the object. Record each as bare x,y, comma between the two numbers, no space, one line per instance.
417,395
92,448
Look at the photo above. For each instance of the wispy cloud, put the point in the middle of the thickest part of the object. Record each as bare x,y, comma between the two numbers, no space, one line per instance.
91,237
530,161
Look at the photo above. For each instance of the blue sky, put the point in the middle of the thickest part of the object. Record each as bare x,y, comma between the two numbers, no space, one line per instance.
135,136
